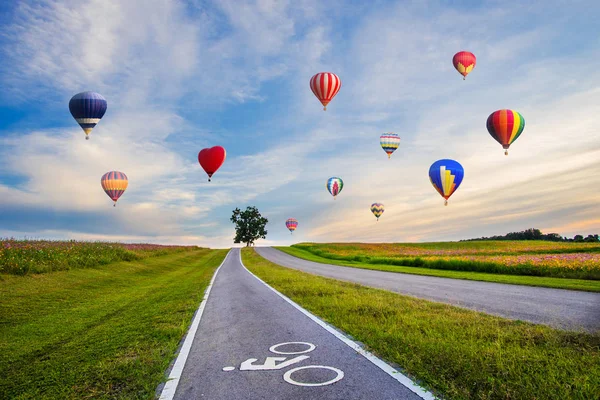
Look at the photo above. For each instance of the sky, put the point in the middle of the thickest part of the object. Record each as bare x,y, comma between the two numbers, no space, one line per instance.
180,76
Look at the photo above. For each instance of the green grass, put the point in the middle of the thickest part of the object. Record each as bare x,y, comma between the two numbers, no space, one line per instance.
459,353
558,283
108,332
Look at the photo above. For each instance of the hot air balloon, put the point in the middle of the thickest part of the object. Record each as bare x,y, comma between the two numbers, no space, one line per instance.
389,142
334,185
505,126
114,184
325,86
291,224
212,159
464,62
446,176
377,209
87,108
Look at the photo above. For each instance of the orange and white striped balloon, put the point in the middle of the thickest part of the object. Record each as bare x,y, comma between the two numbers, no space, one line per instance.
325,86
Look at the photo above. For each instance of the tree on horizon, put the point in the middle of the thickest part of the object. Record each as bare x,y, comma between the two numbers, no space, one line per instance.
249,225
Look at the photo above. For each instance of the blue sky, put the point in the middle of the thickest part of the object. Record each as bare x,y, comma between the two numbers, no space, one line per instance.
180,76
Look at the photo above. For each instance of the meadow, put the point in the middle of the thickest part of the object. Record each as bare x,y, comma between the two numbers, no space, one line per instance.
102,323
456,353
528,258
21,257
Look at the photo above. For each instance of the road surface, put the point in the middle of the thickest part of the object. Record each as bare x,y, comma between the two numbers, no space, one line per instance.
243,322
565,309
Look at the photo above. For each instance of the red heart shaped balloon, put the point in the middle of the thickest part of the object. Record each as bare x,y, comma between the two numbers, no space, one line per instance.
211,159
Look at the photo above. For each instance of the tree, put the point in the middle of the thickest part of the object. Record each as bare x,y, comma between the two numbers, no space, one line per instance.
249,225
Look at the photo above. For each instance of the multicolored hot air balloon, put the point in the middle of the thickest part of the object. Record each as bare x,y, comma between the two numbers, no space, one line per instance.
325,86
505,126
334,185
114,184
212,159
377,209
389,142
87,108
291,224
446,176
464,62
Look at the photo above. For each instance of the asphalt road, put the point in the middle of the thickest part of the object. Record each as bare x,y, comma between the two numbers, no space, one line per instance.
565,309
242,320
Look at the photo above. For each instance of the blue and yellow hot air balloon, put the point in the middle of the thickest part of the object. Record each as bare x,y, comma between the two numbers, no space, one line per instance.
389,142
334,185
446,176
377,209
114,184
291,224
87,108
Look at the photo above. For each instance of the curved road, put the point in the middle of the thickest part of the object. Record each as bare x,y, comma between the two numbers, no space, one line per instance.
565,309
234,353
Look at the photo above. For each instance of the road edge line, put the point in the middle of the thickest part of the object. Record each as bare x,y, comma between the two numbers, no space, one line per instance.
391,371
168,391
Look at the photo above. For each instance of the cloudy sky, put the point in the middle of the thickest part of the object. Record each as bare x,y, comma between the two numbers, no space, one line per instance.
182,75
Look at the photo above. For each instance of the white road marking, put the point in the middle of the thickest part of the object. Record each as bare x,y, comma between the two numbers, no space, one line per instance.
171,385
270,363
288,375
404,380
311,347
228,368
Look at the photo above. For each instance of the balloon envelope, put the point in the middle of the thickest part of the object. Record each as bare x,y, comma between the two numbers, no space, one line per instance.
505,126
212,159
325,85
334,185
445,176
114,184
291,224
464,62
377,209
389,142
87,108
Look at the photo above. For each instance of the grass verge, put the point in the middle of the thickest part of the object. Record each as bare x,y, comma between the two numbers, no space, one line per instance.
459,353
557,283
105,333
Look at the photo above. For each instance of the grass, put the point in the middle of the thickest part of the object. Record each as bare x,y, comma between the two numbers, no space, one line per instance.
21,257
459,353
107,332
550,282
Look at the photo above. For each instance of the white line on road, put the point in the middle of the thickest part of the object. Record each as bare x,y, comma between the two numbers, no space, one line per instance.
404,380
171,385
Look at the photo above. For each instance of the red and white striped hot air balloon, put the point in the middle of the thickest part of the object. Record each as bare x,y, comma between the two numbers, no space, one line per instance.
325,86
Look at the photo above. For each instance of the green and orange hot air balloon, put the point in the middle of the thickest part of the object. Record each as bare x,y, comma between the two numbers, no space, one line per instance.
505,126
464,62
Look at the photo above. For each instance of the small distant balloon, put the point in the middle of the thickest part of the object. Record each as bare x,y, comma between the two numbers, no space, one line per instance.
446,176
291,224
377,209
114,184
389,142
464,62
325,85
87,108
334,185
505,126
212,159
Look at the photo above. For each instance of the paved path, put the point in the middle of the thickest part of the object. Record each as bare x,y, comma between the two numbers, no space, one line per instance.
242,319
567,309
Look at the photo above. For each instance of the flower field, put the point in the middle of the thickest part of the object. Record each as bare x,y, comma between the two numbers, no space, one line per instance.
536,258
21,257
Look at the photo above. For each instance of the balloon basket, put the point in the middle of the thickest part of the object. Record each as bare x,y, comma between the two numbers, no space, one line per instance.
87,137
446,202
505,152
325,108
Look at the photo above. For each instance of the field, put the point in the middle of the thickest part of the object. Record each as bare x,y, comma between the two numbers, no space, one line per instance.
103,330
528,258
458,353
22,257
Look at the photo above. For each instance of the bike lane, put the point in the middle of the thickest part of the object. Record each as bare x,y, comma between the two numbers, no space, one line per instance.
240,351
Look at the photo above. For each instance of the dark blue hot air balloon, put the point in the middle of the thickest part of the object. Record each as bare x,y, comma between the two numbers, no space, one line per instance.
446,176
87,108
